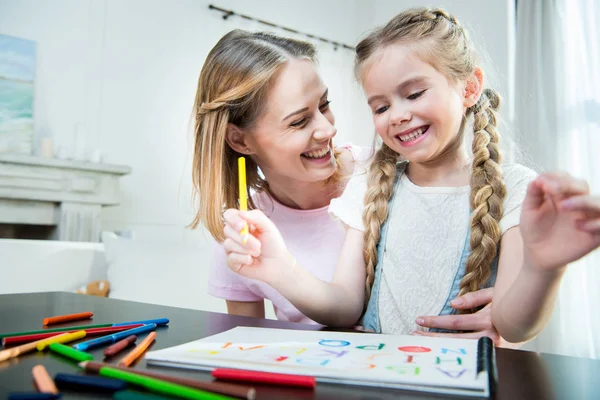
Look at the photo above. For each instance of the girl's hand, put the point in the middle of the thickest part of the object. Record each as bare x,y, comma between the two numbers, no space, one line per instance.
264,253
560,221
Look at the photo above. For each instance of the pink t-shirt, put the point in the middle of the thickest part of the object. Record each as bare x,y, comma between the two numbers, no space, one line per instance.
314,237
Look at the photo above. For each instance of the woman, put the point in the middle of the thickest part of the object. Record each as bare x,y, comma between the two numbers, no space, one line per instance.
260,96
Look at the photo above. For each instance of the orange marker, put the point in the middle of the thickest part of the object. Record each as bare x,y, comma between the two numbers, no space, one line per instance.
18,350
66,318
137,351
42,380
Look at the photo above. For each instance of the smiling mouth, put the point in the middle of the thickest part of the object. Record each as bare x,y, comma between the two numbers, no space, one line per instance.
413,135
317,154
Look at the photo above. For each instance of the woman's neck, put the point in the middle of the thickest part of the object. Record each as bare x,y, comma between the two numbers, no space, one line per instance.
450,170
303,195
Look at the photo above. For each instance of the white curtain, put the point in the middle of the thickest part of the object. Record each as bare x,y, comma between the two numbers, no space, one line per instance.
558,119
353,118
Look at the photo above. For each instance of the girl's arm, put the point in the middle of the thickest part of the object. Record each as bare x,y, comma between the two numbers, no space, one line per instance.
254,309
533,257
265,257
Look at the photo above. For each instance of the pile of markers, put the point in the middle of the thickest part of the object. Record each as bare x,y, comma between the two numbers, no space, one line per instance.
103,377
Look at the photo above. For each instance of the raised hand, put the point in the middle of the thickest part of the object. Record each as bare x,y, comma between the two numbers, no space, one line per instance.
560,221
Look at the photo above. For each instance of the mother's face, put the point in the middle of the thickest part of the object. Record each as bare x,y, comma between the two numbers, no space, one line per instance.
293,138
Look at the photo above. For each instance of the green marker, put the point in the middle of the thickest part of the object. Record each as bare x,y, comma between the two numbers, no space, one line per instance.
132,395
70,352
65,329
160,386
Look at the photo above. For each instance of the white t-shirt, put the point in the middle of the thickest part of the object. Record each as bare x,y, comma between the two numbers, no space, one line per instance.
314,237
425,239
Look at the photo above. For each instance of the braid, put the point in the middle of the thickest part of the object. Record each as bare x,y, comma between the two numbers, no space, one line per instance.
487,193
382,174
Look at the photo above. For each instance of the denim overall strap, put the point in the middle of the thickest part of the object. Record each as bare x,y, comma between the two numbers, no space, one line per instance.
460,273
370,319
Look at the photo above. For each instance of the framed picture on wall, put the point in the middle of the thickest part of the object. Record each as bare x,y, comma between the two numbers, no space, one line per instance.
17,87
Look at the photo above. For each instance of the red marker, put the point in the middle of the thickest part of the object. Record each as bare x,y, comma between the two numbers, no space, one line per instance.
268,378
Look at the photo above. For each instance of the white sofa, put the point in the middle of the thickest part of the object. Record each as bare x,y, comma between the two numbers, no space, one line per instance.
144,271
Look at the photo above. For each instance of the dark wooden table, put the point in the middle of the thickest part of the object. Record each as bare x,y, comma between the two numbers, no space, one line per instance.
522,375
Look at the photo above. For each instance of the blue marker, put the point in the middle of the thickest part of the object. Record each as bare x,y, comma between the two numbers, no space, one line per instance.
88,383
33,396
157,321
84,346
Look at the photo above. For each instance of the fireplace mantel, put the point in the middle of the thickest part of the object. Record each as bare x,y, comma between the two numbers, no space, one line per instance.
63,195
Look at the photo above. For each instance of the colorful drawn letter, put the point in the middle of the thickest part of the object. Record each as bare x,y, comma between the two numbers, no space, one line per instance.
371,346
334,343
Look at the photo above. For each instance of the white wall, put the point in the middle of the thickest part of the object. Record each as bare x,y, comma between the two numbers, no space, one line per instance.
126,71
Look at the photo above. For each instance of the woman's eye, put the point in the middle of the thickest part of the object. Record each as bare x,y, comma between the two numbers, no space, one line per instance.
415,96
381,110
298,124
325,105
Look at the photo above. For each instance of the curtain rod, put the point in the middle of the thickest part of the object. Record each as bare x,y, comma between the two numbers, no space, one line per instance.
229,13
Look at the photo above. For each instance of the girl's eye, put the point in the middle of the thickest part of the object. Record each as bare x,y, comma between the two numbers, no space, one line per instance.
325,106
381,110
299,124
415,96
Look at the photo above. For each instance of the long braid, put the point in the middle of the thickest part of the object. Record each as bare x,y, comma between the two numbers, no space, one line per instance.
382,174
487,193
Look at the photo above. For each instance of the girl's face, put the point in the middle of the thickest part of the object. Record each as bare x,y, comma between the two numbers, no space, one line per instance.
417,111
293,138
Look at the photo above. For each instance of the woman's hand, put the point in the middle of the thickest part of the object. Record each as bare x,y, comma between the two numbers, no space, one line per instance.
476,325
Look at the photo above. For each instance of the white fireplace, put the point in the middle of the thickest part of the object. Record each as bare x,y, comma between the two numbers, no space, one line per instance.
58,199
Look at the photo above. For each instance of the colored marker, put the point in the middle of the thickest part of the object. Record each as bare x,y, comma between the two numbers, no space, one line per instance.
33,396
66,318
133,395
157,321
62,330
70,352
18,350
229,389
14,340
42,380
160,386
268,378
84,346
88,383
243,194
119,346
64,338
137,351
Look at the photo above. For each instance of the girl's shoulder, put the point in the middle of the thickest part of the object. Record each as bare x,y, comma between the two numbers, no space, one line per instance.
517,175
354,158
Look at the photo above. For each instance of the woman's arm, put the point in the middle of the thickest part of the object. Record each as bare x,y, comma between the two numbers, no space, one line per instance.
265,257
246,308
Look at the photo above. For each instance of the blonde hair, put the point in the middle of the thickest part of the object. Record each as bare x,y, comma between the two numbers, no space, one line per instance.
440,40
233,88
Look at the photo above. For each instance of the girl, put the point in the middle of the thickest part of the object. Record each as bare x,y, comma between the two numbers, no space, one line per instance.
434,222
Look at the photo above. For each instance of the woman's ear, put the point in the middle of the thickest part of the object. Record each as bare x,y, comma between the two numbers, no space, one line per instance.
236,139
473,88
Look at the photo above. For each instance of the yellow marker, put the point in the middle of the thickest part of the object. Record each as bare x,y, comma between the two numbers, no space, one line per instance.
243,194
64,338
